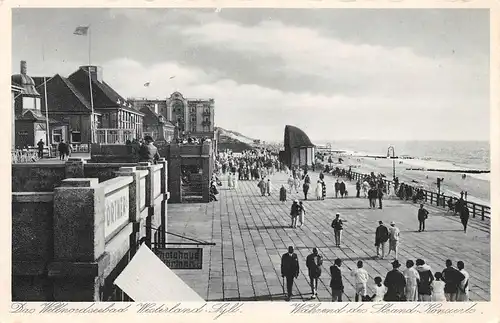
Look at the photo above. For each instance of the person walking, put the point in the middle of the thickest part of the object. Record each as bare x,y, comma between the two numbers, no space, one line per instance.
366,187
464,217
380,195
319,188
289,270
269,187
282,193
302,213
63,150
336,283
425,280
40,145
314,262
393,240
452,279
381,237
290,183
423,214
372,196
437,288
360,280
337,188
305,186
323,190
380,290
395,282
463,287
412,277
338,226
342,189
294,213
262,186
358,188
296,183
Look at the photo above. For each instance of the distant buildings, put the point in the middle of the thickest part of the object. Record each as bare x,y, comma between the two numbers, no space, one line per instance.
29,123
194,117
73,112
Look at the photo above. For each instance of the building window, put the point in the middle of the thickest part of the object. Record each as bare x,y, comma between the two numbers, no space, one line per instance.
76,137
56,135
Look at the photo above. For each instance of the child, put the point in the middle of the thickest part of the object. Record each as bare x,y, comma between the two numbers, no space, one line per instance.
361,278
379,290
437,287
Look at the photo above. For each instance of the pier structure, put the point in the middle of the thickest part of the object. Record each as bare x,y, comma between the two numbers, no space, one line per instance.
252,232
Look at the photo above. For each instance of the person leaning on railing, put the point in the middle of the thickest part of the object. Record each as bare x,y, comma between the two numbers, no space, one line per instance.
148,151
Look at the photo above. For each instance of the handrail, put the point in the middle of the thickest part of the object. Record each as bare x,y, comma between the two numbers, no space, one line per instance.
439,199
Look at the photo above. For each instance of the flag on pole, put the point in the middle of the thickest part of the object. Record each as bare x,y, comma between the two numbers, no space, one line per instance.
147,84
171,77
81,31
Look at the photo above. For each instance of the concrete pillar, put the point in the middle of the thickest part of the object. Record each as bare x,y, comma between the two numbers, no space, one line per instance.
165,193
75,168
79,240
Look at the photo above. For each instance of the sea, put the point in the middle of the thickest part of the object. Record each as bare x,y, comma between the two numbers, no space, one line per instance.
462,154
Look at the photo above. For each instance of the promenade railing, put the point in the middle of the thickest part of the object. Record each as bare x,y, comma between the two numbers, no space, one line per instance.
434,198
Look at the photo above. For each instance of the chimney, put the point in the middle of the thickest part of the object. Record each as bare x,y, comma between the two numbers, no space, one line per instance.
95,72
24,68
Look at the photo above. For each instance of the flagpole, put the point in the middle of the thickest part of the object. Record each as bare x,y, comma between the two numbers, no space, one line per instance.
91,95
46,104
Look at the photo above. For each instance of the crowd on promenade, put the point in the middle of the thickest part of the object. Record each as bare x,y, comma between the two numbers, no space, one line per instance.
416,282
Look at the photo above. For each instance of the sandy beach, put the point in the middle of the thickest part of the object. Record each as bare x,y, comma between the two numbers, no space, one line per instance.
476,185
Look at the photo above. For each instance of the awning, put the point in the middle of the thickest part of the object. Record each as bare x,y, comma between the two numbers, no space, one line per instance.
147,279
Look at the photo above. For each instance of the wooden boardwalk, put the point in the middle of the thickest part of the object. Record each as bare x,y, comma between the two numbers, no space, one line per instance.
251,233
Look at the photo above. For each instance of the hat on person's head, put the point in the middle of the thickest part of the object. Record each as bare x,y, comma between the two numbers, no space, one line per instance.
337,214
395,264
393,223
380,222
296,201
148,138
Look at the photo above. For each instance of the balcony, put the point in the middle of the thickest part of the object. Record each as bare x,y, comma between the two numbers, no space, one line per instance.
206,123
206,113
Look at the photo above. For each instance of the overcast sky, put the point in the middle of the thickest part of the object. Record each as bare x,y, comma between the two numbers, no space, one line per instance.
336,74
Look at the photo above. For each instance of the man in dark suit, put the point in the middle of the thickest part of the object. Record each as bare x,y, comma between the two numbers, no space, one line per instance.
148,152
336,281
314,262
395,282
289,269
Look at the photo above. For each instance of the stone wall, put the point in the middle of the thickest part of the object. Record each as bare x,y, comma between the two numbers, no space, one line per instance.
71,243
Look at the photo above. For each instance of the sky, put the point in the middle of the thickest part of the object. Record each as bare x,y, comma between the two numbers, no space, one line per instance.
338,74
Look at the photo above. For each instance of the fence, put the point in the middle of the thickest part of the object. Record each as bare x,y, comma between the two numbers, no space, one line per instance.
106,136
483,211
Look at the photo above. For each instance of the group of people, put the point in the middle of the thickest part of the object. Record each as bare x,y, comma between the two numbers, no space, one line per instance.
415,283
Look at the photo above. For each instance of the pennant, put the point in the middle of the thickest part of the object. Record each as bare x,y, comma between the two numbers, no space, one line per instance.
81,31
147,84
171,77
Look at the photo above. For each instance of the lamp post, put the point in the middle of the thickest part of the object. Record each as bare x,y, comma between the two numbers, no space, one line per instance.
389,150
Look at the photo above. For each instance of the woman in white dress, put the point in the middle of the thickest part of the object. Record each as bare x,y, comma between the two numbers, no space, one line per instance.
229,180
302,213
380,290
319,190
437,287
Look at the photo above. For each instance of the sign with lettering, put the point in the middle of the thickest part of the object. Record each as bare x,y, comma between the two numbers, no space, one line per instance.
116,212
181,258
